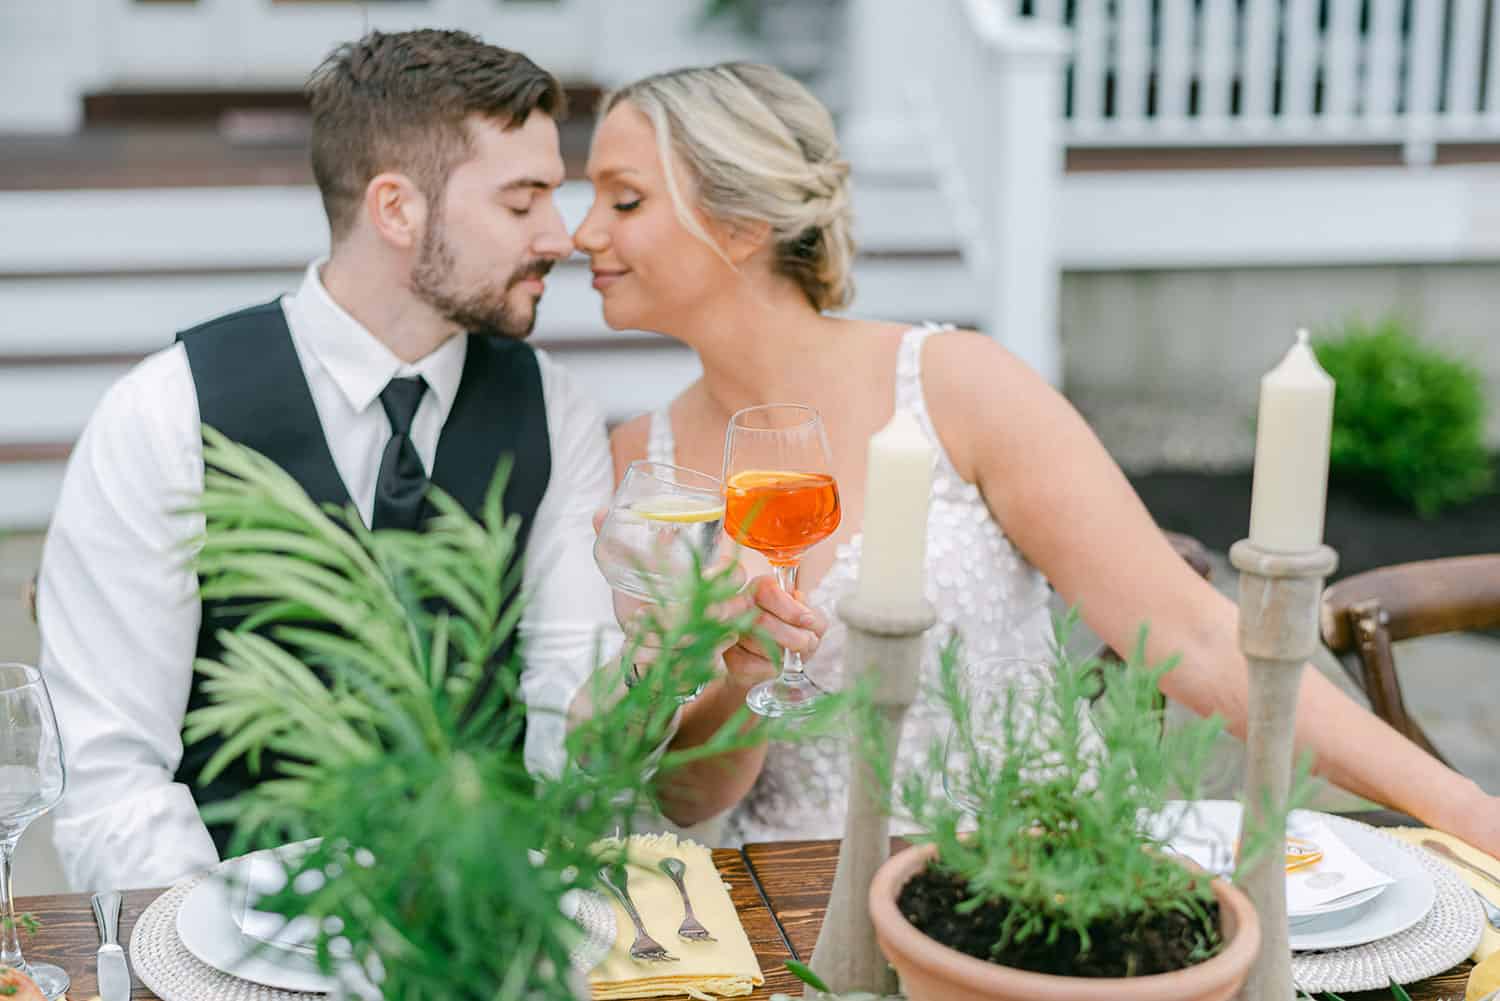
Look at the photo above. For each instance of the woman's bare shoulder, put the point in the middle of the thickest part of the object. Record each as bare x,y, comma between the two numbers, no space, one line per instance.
967,367
975,389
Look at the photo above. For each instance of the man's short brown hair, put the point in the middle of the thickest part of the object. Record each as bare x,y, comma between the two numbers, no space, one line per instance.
399,102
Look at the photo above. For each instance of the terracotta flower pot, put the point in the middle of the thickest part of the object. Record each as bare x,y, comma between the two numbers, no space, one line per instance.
933,972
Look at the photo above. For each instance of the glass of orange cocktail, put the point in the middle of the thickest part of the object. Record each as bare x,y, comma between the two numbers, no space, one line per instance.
781,500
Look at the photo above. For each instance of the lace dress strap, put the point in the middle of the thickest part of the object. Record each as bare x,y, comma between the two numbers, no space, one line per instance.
660,446
909,376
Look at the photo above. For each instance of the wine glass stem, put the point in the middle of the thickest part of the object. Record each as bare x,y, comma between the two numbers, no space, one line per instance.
10,937
791,660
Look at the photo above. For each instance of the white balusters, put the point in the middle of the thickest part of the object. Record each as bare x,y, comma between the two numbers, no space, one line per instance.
1049,10
1216,62
1088,66
1132,53
1299,68
1250,72
1423,67
1340,64
1465,52
1258,63
1382,62
1492,81
1173,78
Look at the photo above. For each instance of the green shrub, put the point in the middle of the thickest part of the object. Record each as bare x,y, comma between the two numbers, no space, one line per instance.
1405,416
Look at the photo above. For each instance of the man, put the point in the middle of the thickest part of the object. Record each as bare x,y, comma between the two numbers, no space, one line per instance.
398,362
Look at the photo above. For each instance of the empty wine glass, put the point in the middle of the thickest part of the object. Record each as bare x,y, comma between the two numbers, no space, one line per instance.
780,500
31,783
1008,698
664,527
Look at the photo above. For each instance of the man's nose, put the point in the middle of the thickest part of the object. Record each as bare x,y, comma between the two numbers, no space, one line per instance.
552,241
553,244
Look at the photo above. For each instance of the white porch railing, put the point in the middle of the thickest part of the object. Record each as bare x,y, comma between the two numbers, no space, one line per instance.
990,107
1258,72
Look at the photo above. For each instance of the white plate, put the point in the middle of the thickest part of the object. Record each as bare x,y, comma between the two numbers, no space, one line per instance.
1357,919
1221,820
205,924
1403,904
208,925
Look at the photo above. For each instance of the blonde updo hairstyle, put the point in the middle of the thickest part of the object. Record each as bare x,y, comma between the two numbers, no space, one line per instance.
762,149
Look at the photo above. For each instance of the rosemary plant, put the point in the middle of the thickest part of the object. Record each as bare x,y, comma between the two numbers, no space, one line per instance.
442,863
1062,783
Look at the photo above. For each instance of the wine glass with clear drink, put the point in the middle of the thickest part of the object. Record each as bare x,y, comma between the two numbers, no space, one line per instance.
780,500
664,527
31,783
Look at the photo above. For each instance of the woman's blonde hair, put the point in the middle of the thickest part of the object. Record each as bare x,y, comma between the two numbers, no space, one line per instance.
762,149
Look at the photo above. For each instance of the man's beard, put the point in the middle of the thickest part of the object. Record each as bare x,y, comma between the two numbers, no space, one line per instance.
486,309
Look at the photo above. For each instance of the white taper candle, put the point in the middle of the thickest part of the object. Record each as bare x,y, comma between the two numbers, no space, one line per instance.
898,489
1290,490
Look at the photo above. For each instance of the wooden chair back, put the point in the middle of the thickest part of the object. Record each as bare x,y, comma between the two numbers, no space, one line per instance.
1362,616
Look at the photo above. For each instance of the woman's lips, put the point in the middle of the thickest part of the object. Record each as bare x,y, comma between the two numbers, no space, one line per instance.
604,279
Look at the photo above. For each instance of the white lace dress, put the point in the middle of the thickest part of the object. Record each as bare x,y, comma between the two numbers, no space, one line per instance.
979,583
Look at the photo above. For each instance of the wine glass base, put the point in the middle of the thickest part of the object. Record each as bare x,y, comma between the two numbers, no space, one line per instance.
50,980
782,698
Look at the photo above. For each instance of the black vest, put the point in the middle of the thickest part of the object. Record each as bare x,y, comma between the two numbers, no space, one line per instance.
251,388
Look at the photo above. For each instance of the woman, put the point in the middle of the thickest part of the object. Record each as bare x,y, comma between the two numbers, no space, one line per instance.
722,219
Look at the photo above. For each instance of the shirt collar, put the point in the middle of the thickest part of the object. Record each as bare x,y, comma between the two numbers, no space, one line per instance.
359,364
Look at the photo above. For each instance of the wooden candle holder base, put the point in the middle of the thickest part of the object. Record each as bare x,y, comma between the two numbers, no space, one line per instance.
1279,594
885,647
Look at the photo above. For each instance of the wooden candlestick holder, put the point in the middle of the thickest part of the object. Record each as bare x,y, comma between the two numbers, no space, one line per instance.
1279,595
884,647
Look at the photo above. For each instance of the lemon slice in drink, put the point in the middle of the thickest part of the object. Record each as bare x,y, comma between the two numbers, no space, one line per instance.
682,510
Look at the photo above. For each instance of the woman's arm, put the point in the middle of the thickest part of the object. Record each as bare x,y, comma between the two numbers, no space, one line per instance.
703,789
1069,508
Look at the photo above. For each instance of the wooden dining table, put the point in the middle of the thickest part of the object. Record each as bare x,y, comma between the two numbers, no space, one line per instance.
780,891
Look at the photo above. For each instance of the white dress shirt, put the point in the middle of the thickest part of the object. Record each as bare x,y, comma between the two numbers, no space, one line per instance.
118,598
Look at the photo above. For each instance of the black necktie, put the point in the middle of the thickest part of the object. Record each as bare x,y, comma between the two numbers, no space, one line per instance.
402,483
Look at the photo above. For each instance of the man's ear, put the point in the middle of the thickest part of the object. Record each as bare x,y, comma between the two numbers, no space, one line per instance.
396,209
743,238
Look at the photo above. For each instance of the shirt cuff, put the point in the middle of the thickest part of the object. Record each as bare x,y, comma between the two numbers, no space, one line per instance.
152,839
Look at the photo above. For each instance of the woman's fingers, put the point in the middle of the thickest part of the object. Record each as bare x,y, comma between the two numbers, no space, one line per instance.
774,601
791,624
748,667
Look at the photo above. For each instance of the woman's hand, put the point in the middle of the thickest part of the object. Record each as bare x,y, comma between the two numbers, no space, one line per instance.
791,624
1476,822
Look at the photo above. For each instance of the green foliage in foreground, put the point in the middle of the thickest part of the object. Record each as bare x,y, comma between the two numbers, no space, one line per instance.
1062,777
443,862
1407,418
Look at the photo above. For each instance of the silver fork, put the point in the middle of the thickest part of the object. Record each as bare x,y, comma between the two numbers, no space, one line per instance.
644,947
1491,912
691,928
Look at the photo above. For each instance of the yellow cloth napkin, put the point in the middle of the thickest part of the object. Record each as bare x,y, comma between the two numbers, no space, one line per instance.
1489,944
706,970
1484,979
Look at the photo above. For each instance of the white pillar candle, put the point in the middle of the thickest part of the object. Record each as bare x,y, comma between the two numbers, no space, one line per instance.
898,488
1290,488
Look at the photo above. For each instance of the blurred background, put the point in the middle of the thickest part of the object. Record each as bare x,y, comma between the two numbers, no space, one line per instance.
1143,198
